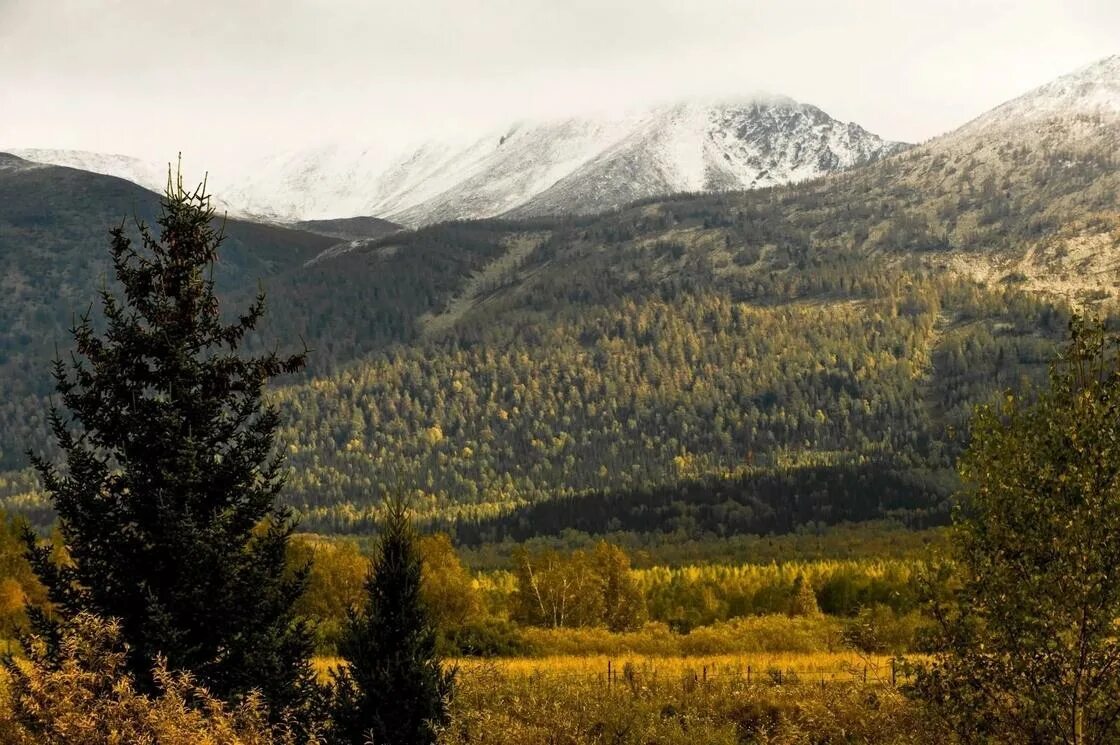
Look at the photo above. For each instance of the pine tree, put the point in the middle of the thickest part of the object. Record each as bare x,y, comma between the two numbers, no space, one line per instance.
393,690
168,500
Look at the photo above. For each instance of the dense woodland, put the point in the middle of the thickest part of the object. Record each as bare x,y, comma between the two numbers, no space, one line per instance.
624,397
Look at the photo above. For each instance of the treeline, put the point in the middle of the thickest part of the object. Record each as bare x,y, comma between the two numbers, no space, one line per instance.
493,612
882,539
752,501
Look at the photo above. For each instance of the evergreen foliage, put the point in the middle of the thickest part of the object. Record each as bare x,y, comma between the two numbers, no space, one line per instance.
1029,638
393,689
804,599
167,504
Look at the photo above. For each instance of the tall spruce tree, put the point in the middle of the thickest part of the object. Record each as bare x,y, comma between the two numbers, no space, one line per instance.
168,499
394,690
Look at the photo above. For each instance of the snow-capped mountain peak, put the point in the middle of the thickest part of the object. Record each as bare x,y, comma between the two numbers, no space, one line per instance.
579,164
1091,90
570,165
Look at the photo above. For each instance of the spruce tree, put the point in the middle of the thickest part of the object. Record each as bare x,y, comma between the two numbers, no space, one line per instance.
167,502
393,690
803,599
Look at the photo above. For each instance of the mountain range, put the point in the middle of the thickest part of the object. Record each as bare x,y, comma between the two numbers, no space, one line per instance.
574,165
730,361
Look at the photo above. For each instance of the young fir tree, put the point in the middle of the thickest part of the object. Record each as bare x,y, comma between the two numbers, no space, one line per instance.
803,599
168,500
1029,645
393,691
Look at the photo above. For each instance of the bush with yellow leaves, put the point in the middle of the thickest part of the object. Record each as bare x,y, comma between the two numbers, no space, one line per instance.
83,695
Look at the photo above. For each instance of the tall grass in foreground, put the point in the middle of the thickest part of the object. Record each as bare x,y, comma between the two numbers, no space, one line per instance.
570,701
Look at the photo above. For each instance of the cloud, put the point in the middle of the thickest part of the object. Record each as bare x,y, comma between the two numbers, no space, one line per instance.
230,78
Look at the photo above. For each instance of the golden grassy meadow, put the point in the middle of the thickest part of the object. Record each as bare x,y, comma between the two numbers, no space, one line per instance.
702,700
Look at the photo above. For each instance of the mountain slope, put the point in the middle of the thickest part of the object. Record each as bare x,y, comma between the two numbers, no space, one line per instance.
151,176
1027,194
1093,90
350,228
54,225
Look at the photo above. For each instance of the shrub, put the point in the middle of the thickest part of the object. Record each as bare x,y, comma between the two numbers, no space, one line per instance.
775,633
82,694
489,637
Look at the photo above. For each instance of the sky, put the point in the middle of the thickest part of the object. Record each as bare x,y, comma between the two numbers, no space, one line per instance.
244,78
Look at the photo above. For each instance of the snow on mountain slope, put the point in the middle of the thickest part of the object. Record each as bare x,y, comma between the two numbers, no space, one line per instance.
149,175
11,163
570,165
691,147
578,165
457,178
1093,90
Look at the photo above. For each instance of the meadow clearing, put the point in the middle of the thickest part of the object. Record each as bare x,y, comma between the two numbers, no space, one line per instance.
699,700
789,698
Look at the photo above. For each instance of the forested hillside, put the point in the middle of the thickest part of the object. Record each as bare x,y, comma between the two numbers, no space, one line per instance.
54,229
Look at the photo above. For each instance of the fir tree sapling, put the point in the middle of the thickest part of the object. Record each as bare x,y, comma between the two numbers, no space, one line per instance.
394,689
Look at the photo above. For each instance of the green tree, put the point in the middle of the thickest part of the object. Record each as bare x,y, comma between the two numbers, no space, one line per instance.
1030,648
168,500
393,689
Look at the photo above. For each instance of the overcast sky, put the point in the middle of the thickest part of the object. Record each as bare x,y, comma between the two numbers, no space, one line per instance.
217,78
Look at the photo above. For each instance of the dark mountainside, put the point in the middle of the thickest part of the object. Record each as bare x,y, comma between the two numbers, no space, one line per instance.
350,228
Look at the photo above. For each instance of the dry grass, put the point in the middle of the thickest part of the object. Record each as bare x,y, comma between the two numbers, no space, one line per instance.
803,667
789,667
788,699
